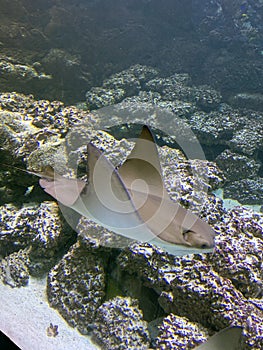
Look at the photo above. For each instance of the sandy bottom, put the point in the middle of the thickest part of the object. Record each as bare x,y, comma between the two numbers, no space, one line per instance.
25,316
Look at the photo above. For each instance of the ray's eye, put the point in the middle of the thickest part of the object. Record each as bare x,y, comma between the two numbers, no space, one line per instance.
186,234
203,246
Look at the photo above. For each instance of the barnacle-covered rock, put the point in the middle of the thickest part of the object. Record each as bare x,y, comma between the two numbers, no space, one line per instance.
124,80
76,286
250,138
98,236
17,72
119,325
248,101
37,226
143,73
237,166
27,123
190,287
238,251
98,97
174,87
213,127
15,102
206,98
14,268
181,109
245,191
179,333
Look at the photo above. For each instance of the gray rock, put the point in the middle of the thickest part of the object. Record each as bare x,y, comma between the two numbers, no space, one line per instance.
238,251
39,227
191,287
98,97
125,81
237,166
14,269
206,98
215,128
175,87
119,325
248,140
179,333
246,191
15,72
76,286
248,101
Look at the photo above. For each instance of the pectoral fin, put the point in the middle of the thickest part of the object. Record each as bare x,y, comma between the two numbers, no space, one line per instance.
227,339
65,191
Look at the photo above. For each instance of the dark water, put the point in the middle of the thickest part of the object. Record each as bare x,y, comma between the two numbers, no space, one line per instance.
80,43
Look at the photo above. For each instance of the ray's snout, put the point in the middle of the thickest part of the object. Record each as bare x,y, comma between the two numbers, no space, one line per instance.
201,239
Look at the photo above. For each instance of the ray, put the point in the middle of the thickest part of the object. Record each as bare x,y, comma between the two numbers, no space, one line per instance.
227,339
133,201
142,175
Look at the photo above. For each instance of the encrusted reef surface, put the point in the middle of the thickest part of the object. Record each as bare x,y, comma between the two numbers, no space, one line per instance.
131,295
231,137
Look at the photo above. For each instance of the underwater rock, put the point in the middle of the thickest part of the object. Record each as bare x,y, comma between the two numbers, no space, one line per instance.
98,236
14,268
179,333
190,287
249,140
238,251
215,127
174,87
39,227
125,81
143,73
114,89
179,108
27,124
119,325
237,166
76,285
247,101
245,191
179,87
15,73
98,97
206,98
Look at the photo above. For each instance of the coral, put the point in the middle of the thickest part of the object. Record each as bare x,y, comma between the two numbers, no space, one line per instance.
119,325
76,285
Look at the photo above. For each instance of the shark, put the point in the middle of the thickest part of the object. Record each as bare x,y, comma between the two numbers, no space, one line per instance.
131,200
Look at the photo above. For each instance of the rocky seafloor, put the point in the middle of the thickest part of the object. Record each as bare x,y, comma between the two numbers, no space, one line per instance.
125,294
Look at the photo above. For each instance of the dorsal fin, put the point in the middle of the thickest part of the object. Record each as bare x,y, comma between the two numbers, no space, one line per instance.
143,164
